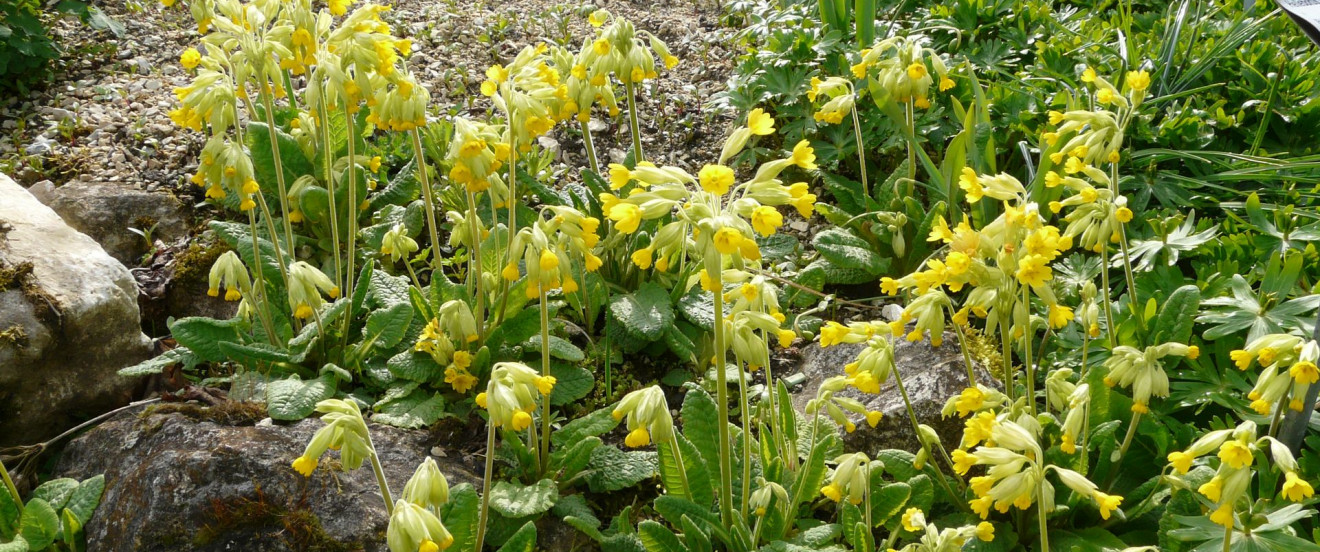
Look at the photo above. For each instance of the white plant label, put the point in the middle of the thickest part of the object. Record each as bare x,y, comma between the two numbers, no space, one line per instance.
1306,13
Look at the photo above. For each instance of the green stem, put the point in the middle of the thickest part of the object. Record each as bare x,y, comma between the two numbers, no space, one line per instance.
262,301
1006,350
328,153
428,195
1104,281
474,263
911,120
861,154
279,172
9,484
916,432
1121,453
590,147
352,209
745,406
1043,523
722,401
962,344
682,468
483,517
632,122
1026,351
545,371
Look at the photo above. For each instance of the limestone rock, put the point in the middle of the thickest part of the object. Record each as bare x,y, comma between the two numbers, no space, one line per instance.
930,375
183,479
106,210
68,322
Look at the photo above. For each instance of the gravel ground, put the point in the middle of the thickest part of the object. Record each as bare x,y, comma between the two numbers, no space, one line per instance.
105,115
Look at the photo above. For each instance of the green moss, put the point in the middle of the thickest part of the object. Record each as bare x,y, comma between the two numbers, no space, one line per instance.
14,335
294,524
20,277
194,263
229,413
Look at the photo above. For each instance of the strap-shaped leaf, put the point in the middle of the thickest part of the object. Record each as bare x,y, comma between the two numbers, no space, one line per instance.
522,541
658,538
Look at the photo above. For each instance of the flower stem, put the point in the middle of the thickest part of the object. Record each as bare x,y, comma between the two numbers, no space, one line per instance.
632,122
380,477
545,371
861,155
722,401
330,185
485,486
474,263
590,147
428,195
1026,351
352,209
9,484
745,406
1041,521
279,171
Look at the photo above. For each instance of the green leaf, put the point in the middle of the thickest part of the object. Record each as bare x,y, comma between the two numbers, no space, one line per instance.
694,467
292,161
515,501
560,348
516,329
255,353
572,383
86,497
697,540
71,531
416,410
16,545
461,516
699,414
158,364
414,366
658,538
402,189
1174,323
9,513
572,460
522,541
385,327
615,469
294,399
56,492
40,524
203,335
845,250
597,423
646,313
888,500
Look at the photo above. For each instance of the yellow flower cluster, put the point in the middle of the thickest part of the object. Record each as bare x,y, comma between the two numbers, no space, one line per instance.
511,394
1232,480
1143,370
1288,370
902,67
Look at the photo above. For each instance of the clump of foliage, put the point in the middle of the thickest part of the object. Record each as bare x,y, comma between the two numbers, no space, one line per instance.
26,48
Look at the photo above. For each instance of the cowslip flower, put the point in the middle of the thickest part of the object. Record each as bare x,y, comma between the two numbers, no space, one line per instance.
648,417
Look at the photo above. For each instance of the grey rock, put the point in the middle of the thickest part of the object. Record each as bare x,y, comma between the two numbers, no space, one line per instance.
72,322
187,481
105,211
42,191
930,375
40,145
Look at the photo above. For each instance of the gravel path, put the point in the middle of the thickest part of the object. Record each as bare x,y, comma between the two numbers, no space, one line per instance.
105,115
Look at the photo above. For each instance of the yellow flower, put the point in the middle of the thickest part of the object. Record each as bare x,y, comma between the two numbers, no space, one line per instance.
889,286
1123,214
190,58
916,71
627,216
860,69
1295,488
1304,372
1181,461
1060,316
832,492
873,417
548,261
1242,359
962,461
510,272
985,531
766,220
428,545
970,400
804,157
1088,75
1223,515
832,333
637,438
1107,503
1138,80
338,7
1034,270
1211,489
642,258
1235,454
912,517
306,465
971,184
716,179
521,420
945,83
727,240
601,46
760,122
619,176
